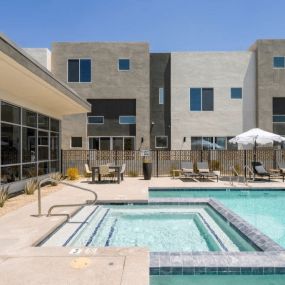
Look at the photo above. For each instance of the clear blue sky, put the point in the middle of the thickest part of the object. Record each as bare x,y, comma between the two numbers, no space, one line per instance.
168,25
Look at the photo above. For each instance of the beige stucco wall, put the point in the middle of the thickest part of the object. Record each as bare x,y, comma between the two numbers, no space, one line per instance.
107,81
218,70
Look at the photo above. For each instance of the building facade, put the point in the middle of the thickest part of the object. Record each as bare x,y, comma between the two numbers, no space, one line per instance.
176,100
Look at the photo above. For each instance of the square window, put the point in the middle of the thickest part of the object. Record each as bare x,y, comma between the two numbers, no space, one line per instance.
161,142
201,99
79,70
76,141
278,62
127,120
124,64
236,93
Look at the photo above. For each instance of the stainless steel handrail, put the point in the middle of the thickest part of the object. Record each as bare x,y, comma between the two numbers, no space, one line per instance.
49,179
250,170
235,172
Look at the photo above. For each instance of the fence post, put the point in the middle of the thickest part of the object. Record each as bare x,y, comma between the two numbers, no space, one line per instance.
116,157
156,163
274,159
201,155
61,161
244,162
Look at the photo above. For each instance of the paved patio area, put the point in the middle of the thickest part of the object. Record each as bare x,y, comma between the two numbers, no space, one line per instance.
21,263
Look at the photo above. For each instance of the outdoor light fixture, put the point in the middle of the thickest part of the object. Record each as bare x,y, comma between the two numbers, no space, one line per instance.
152,123
184,139
141,139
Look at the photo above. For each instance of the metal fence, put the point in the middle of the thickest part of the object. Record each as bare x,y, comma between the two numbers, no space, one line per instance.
163,162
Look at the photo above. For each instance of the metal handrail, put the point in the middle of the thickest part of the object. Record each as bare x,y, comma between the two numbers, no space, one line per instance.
49,179
235,172
251,172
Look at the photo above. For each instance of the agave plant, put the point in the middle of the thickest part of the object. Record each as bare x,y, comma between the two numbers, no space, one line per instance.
3,195
56,176
31,186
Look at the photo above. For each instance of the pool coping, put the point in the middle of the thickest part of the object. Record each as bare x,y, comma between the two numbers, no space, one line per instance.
271,260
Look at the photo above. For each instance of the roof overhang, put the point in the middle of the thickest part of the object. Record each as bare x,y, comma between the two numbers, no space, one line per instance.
23,81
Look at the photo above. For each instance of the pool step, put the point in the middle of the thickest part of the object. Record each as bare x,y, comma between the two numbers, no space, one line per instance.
65,234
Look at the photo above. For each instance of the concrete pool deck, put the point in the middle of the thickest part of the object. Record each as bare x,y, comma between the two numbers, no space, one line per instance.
22,263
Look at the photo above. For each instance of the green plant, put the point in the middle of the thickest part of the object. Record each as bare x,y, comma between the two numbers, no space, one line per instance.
146,159
133,173
31,186
214,165
56,176
3,195
72,173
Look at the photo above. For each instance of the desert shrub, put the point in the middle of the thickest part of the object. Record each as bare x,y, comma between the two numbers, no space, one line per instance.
133,173
56,176
72,173
31,186
238,169
3,195
214,165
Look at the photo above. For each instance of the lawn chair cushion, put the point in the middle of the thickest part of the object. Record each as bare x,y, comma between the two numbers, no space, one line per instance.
205,170
260,169
187,170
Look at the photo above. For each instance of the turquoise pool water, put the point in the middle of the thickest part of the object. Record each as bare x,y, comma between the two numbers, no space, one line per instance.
218,280
265,209
158,227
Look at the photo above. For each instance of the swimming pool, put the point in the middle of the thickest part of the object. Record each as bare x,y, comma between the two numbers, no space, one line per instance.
263,208
171,228
218,280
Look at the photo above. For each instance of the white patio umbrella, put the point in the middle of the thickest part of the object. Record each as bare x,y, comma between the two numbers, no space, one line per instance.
256,136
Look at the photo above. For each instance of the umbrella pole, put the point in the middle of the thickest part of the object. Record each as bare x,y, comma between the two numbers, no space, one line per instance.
254,158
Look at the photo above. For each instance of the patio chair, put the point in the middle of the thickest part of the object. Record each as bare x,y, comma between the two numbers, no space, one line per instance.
123,169
204,170
104,171
281,167
187,169
88,172
259,170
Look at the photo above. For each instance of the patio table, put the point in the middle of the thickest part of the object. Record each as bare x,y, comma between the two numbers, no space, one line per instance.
117,169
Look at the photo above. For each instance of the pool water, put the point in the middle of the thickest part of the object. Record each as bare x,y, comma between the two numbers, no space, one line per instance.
158,227
218,280
264,209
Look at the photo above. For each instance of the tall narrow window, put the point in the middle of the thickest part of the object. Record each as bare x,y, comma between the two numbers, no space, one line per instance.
195,99
79,70
161,96
278,118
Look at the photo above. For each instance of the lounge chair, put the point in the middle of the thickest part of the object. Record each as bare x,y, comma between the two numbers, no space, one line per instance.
88,172
281,167
259,170
187,169
204,170
122,171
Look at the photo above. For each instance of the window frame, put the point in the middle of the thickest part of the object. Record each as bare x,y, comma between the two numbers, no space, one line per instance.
118,64
125,116
236,98
161,96
276,67
160,147
95,123
201,99
111,141
76,146
79,59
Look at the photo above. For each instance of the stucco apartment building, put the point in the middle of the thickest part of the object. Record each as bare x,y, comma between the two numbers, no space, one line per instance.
176,100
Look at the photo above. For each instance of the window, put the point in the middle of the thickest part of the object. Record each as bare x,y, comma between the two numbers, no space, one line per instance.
220,143
10,113
79,70
29,118
278,62
231,146
76,141
196,143
123,64
236,93
161,96
127,120
201,99
161,142
112,143
278,117
96,120
43,145
43,122
29,146
209,143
